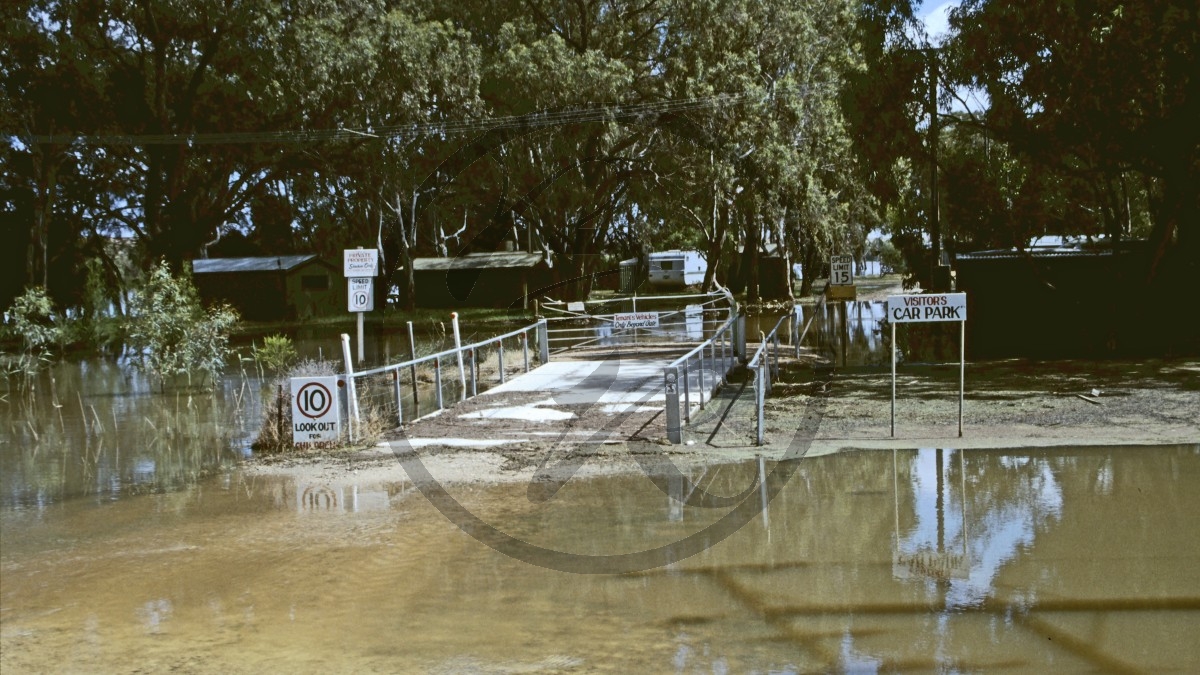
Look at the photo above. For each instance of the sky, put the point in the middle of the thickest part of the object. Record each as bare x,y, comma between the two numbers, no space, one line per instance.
935,14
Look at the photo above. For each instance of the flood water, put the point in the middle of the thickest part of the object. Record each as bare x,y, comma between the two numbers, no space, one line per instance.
1063,560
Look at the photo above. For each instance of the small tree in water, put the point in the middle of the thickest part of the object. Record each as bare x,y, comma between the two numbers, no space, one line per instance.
173,334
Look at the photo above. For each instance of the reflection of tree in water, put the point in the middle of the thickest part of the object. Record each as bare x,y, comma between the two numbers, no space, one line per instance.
95,427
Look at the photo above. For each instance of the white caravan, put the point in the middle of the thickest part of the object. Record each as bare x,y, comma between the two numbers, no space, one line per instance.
676,269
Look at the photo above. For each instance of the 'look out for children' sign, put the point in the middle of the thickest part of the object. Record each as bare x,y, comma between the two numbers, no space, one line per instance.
927,307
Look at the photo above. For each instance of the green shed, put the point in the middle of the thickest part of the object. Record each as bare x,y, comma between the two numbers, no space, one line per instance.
272,288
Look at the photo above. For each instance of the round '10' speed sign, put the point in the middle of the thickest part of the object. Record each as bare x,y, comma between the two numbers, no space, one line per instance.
315,409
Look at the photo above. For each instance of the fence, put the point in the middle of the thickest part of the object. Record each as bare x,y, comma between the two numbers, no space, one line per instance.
387,394
572,326
706,358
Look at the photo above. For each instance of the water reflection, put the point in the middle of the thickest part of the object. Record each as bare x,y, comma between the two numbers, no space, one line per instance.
1069,559
102,428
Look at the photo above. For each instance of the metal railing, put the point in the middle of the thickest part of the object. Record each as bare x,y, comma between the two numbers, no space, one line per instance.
765,366
601,327
678,375
479,366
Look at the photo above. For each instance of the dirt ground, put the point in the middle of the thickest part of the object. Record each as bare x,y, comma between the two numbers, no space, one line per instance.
1008,404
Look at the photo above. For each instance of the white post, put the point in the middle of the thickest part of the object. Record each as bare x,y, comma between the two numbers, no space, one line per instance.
351,393
360,336
962,369
893,379
462,373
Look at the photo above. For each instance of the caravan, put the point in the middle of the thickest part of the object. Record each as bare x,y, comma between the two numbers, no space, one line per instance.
676,269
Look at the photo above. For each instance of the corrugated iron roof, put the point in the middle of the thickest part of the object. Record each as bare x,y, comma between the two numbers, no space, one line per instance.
479,261
273,263
1064,251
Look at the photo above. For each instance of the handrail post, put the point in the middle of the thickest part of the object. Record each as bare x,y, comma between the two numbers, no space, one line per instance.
396,391
437,380
500,352
543,337
759,400
525,348
687,397
474,374
701,372
671,388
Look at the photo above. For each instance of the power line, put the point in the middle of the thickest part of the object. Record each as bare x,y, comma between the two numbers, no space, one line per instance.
537,120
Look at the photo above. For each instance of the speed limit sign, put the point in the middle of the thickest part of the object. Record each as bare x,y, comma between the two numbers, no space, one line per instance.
360,294
315,409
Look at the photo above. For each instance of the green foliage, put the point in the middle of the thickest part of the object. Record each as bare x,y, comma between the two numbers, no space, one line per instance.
99,326
32,320
276,354
891,260
173,334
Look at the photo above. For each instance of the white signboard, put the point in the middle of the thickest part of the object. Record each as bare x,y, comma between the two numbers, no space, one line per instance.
360,262
635,320
577,307
316,412
360,294
841,270
927,307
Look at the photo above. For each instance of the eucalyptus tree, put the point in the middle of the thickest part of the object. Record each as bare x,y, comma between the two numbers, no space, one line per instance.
1108,90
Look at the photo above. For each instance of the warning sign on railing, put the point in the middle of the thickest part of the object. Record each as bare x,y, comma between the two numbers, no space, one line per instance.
635,320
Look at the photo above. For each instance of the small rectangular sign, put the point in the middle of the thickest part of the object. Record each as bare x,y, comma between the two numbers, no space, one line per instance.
927,307
635,320
577,307
360,262
316,410
841,270
360,294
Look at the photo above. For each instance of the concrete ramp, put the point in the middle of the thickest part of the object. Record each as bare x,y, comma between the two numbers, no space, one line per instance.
602,401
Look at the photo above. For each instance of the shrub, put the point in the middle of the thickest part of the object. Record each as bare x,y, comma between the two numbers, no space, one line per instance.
32,319
277,354
173,334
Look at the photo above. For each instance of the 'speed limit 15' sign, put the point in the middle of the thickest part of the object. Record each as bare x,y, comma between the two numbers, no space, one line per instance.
316,410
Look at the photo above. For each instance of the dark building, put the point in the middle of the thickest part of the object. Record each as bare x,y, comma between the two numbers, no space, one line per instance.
1055,301
500,279
272,288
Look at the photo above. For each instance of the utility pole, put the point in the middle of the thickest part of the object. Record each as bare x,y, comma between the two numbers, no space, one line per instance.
939,275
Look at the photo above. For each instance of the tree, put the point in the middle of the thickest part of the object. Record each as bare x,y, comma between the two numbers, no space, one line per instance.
1101,89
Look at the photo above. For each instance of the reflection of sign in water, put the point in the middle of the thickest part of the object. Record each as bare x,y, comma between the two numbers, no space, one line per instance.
930,563
319,498
315,410
360,294
931,558
635,320
841,270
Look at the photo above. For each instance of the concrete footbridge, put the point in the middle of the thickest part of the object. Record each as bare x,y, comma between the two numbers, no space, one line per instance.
581,376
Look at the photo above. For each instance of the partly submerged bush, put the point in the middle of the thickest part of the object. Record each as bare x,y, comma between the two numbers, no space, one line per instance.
32,319
173,335
276,354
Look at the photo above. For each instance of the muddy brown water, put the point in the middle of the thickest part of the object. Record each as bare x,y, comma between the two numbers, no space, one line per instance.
1063,560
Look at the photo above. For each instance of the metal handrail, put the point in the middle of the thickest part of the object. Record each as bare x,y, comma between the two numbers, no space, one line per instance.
469,350
442,354
680,366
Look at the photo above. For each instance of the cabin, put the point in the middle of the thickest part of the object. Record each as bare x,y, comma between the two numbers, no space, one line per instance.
486,279
1059,300
272,288
675,269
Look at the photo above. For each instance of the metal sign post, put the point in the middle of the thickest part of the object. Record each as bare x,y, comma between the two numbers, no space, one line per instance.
927,308
360,266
